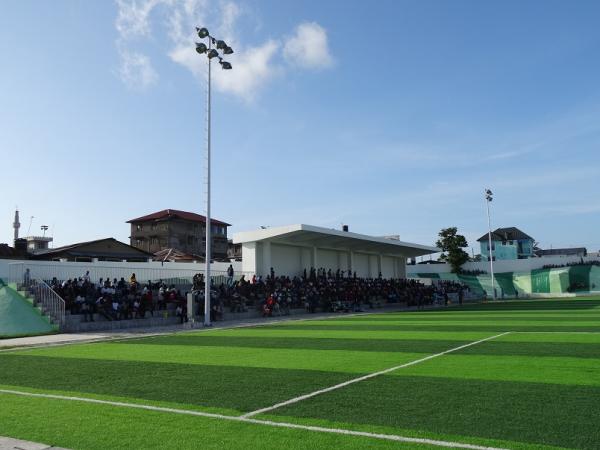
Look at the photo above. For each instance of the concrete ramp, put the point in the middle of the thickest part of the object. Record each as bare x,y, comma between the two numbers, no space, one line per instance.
18,317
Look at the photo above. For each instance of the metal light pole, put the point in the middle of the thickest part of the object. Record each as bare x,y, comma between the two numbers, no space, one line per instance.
488,199
211,53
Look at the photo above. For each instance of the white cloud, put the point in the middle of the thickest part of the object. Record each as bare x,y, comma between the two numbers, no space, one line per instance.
133,18
253,67
136,70
308,47
253,70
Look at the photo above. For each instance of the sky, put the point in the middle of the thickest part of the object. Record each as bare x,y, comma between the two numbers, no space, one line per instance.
389,116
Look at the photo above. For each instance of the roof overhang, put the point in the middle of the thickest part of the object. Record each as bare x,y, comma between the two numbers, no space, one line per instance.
312,236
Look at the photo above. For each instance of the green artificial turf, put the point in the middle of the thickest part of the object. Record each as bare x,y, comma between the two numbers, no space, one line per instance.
536,387
99,427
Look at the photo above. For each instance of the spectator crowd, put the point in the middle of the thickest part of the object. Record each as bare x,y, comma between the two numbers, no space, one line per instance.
117,299
273,295
320,290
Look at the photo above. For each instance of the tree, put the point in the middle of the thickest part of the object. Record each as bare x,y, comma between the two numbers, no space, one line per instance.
452,245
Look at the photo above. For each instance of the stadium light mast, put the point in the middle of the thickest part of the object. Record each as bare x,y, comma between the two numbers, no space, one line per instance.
488,199
211,53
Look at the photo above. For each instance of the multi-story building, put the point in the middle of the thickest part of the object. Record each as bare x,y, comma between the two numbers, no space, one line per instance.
180,230
507,243
234,251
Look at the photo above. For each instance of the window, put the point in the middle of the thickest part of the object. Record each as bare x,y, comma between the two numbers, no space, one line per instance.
153,226
218,229
139,227
138,242
154,241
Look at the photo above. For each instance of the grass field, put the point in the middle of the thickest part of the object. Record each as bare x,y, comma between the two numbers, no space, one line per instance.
518,375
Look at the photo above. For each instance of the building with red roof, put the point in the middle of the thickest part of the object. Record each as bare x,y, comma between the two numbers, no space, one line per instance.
181,230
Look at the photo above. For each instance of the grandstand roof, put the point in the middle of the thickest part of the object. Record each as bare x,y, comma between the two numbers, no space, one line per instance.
175,213
506,234
309,235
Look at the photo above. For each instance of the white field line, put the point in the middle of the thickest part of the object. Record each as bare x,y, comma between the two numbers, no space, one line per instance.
555,332
366,377
388,437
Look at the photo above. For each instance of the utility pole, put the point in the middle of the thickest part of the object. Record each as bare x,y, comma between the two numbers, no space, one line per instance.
488,199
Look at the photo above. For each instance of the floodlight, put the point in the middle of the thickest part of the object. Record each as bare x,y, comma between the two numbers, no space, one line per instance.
228,50
202,32
201,48
221,45
212,54
225,65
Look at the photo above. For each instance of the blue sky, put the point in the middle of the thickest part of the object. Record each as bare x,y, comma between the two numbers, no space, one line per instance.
389,116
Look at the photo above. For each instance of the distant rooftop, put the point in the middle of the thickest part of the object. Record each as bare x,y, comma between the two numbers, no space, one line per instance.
166,214
39,238
506,234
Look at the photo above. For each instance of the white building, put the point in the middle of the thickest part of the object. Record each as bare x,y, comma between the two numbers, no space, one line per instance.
293,248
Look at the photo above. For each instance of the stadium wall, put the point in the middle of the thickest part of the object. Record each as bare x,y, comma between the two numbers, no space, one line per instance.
10,268
564,281
515,265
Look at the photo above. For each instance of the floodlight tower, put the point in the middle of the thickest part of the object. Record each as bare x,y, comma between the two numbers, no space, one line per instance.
488,199
211,53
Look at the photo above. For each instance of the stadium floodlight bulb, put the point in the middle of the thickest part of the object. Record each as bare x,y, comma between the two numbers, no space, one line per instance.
201,48
228,50
212,54
202,32
221,45
225,65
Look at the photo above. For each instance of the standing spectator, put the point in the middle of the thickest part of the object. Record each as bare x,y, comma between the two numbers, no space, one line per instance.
27,277
230,275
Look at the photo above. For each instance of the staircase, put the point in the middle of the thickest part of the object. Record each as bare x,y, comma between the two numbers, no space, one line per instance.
19,316
43,298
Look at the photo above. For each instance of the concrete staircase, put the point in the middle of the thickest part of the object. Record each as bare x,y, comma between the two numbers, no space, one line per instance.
20,315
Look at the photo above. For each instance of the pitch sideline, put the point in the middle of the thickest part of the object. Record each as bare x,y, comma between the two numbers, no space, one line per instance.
381,436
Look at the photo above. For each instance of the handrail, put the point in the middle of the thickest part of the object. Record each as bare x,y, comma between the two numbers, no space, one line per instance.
52,303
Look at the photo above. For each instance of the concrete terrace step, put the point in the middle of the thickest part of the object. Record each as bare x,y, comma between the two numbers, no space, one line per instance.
75,324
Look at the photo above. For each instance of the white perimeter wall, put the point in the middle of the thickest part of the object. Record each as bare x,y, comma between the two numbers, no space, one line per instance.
103,269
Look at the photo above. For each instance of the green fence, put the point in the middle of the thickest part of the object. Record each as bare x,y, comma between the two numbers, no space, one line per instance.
574,279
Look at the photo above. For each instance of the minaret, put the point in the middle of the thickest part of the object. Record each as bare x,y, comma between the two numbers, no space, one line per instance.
16,224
